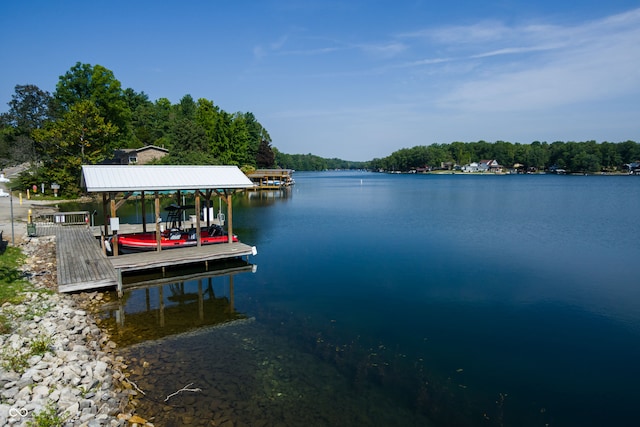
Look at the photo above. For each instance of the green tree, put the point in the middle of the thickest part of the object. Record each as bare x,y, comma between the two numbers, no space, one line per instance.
265,157
438,154
585,162
220,142
186,108
207,116
558,155
504,153
240,143
460,152
28,110
257,136
482,150
84,82
188,136
142,122
610,158
163,122
81,136
537,156
630,151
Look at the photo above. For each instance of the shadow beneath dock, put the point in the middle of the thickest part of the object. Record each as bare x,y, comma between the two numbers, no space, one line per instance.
158,306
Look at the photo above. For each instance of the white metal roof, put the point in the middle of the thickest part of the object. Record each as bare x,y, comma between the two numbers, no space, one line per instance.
116,178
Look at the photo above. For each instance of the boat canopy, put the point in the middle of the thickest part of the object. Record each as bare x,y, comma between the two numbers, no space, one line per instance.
125,178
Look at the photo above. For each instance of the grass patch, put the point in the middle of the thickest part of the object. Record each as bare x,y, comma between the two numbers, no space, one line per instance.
18,361
12,281
48,417
14,361
40,345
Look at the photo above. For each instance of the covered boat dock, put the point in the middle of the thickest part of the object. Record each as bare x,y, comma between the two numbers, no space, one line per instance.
119,183
271,179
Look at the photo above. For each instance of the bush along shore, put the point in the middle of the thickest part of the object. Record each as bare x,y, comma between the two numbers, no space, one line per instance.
57,367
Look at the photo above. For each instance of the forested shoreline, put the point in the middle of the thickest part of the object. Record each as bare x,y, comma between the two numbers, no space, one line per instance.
571,157
90,115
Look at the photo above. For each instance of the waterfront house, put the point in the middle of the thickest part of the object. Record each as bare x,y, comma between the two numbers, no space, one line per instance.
137,156
490,166
471,167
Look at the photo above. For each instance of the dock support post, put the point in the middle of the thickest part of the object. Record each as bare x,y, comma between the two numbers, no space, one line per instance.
230,219
198,237
144,212
114,214
158,221
119,274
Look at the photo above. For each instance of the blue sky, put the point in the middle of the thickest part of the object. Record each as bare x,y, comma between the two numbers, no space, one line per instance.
355,79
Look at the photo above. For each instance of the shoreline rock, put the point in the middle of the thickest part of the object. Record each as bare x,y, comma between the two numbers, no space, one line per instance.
56,362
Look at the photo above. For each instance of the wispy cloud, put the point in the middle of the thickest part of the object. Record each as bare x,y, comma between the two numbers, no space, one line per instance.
262,50
481,32
514,51
384,50
542,66
288,45
322,46
502,81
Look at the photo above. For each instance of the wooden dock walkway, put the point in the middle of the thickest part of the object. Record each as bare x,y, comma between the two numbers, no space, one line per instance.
180,256
80,262
83,266
176,257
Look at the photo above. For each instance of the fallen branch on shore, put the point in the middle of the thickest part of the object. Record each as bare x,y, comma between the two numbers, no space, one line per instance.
134,385
185,388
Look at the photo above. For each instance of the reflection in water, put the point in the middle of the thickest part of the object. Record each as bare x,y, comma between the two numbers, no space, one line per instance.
155,307
269,194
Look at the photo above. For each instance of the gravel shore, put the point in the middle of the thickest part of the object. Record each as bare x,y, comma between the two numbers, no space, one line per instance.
56,363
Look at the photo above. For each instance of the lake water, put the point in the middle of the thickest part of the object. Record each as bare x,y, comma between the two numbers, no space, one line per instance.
378,299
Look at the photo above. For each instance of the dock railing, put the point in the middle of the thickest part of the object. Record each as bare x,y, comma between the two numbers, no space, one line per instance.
44,224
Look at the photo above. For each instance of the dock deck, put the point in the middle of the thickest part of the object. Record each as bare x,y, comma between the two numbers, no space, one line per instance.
80,262
83,266
179,256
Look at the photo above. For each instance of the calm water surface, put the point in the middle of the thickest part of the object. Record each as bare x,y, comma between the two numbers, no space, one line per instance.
405,300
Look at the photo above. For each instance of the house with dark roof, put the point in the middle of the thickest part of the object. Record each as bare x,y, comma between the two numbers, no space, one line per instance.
137,156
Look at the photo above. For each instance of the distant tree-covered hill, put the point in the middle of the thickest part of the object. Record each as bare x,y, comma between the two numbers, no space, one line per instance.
311,162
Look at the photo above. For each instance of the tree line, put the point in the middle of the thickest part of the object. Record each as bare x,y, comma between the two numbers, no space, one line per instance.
577,157
89,116
311,162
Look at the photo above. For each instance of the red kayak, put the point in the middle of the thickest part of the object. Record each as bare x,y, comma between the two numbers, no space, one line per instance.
170,239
